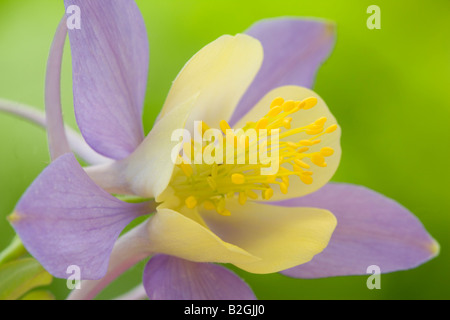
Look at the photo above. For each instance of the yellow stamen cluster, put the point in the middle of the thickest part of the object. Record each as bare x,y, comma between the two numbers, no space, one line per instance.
210,185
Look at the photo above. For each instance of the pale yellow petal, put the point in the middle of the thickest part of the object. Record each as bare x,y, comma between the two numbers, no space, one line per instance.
282,237
220,72
174,234
321,175
149,168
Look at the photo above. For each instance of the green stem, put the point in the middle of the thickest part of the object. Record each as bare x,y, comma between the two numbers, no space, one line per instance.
131,199
13,251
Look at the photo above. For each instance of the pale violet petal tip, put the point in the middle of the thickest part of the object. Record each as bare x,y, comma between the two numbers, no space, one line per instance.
372,229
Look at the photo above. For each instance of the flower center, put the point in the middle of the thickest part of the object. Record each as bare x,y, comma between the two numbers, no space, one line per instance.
252,161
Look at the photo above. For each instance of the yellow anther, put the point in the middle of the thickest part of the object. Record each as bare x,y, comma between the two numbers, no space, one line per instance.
208,205
301,150
318,160
314,132
268,193
224,126
309,103
321,121
326,151
276,102
237,178
287,123
305,143
271,179
251,194
316,141
308,173
242,198
274,111
292,144
225,213
314,129
220,206
285,180
186,168
306,179
283,188
299,105
332,128
262,123
204,127
302,164
288,105
191,202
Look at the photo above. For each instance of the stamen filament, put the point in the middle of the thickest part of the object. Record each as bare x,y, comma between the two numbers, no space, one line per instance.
212,185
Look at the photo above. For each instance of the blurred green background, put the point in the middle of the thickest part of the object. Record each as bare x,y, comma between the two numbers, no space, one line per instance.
388,88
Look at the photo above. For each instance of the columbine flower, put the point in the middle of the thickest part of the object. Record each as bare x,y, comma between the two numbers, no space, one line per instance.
209,212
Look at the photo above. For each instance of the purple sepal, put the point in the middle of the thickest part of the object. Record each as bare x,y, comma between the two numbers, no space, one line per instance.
171,278
65,219
371,230
294,49
110,56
